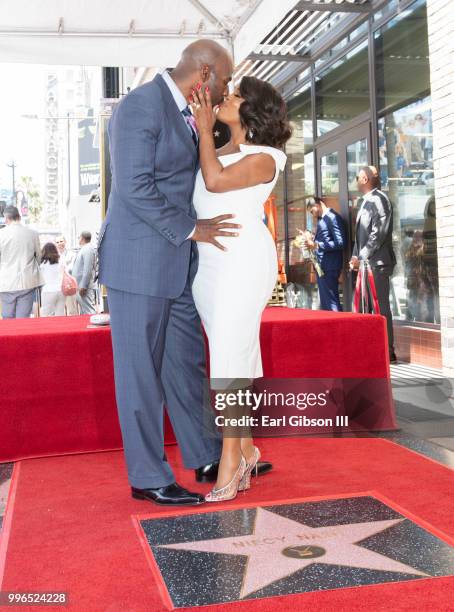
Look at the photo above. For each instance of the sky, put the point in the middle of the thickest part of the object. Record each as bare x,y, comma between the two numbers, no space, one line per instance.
21,140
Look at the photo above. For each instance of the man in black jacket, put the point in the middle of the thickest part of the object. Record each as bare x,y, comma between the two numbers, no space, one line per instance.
373,241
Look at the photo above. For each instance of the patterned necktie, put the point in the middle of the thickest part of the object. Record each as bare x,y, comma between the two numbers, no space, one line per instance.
190,122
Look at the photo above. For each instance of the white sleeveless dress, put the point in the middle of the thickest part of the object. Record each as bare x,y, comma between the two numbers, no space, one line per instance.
231,288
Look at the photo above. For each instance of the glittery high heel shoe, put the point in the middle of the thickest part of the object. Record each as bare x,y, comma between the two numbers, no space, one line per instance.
231,489
245,482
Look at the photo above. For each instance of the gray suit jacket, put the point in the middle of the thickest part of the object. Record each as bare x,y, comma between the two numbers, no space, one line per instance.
84,267
20,255
374,227
142,245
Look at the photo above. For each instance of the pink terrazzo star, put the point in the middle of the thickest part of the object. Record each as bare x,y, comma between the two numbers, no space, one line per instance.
279,547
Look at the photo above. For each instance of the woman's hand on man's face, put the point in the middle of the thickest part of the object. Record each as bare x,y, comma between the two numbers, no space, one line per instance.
202,109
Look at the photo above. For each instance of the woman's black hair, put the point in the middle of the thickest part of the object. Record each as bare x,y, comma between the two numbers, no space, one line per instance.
50,253
263,113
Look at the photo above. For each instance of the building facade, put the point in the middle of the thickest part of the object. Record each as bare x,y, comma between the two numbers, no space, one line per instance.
440,21
371,83
71,155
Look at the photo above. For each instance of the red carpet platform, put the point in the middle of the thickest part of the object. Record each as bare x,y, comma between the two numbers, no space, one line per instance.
71,526
58,394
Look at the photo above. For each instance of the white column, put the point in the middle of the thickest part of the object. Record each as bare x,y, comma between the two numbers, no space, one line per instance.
440,17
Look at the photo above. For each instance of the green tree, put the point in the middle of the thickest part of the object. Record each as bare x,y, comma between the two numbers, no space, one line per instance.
34,200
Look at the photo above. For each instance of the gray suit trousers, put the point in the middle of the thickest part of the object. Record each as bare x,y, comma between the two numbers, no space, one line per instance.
159,358
17,304
87,303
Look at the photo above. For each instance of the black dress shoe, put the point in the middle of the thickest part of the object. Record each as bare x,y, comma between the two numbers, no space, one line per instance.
209,473
171,495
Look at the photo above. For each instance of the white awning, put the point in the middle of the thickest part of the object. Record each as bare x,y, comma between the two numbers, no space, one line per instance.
130,32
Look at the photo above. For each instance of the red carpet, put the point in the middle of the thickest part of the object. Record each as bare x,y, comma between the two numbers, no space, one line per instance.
60,396
72,530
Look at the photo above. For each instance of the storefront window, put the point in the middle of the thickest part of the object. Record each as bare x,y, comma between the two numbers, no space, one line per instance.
279,193
329,168
388,8
300,183
342,91
325,24
346,40
357,158
406,163
402,59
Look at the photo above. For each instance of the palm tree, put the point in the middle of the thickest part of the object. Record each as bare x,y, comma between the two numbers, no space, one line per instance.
33,198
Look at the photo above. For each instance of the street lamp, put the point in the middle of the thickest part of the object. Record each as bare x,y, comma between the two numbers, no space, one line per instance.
12,165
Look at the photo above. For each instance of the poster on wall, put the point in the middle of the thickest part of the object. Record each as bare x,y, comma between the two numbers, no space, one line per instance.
88,155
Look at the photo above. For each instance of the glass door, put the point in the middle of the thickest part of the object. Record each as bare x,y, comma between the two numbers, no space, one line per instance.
338,164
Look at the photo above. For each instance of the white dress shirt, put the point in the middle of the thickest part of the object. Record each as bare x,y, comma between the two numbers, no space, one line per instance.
181,102
177,95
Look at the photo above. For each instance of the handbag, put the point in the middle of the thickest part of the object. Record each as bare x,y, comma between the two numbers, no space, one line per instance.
68,284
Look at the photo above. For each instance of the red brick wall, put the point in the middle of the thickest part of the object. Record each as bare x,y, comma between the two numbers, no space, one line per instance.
416,345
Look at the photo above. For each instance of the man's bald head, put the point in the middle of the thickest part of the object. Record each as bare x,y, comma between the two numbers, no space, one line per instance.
207,62
368,178
203,52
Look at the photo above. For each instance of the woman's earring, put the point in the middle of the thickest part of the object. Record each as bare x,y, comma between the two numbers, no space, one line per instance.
251,134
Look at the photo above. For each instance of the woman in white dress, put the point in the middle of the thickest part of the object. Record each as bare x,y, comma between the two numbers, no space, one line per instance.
234,282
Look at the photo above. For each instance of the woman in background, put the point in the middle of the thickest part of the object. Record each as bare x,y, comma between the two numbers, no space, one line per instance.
52,298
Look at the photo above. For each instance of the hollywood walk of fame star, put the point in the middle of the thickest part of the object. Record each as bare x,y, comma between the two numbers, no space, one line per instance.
279,547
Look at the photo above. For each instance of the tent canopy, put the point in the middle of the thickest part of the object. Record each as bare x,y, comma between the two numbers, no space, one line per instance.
130,32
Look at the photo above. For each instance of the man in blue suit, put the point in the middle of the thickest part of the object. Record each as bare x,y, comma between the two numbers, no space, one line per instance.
328,245
147,261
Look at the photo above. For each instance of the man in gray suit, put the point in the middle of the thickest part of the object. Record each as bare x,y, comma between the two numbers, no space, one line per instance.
20,256
84,270
373,241
147,260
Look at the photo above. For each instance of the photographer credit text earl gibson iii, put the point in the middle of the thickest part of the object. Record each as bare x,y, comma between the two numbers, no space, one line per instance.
252,401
